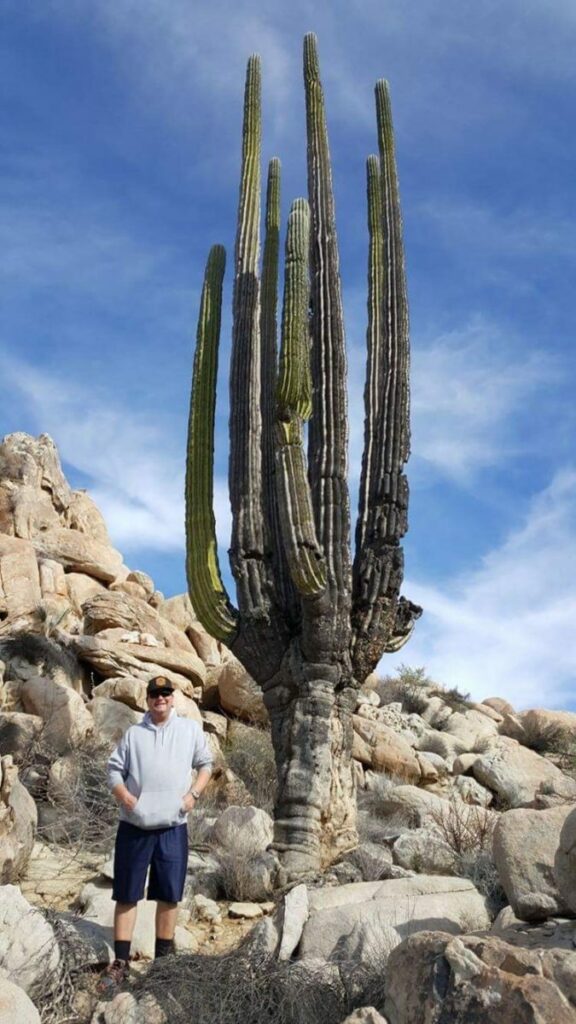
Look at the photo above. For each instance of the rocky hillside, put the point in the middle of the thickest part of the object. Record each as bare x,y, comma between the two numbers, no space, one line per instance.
458,904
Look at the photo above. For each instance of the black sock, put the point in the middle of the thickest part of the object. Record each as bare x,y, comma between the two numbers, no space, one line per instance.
122,949
164,947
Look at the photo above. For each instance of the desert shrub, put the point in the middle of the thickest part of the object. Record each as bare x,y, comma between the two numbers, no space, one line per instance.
479,867
86,813
374,821
249,753
201,821
454,698
547,739
62,995
241,988
465,827
243,871
409,686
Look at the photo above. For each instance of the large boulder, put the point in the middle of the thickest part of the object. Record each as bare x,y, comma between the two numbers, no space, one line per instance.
28,948
238,693
410,805
111,718
524,847
15,1006
18,731
517,775
424,851
79,553
20,593
434,977
34,462
18,820
472,727
67,722
348,922
386,750
243,829
565,861
114,657
114,609
80,588
179,611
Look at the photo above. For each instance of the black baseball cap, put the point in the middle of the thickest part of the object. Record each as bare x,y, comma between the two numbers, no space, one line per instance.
159,683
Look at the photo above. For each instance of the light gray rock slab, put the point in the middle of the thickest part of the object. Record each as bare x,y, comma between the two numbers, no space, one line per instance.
243,829
517,774
525,847
16,1007
296,910
343,925
27,944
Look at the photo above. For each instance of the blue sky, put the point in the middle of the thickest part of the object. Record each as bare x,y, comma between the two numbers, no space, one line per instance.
121,128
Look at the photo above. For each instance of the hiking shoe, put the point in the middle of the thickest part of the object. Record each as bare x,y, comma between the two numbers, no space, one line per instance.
115,974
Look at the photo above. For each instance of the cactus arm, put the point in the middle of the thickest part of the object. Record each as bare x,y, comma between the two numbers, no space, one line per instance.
328,430
381,620
268,335
374,372
303,553
207,592
245,479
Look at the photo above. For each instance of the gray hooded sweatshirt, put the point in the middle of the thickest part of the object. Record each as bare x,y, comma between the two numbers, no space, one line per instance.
155,763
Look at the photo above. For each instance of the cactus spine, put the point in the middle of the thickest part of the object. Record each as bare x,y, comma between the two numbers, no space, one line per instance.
309,627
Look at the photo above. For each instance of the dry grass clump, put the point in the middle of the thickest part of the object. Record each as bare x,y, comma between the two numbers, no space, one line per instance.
465,827
249,753
85,813
63,996
469,830
242,988
375,823
409,686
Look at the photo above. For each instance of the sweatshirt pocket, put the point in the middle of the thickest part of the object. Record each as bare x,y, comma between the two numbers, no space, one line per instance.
157,809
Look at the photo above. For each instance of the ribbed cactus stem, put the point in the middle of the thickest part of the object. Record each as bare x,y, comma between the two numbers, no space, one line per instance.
269,332
294,382
328,430
374,369
395,321
303,553
382,619
285,596
247,555
207,591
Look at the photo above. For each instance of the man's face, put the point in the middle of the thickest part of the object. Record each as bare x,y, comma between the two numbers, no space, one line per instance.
160,703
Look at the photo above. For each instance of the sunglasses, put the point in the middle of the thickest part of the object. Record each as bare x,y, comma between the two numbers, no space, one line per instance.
163,691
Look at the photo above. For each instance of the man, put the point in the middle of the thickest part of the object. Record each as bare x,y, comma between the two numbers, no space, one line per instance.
150,774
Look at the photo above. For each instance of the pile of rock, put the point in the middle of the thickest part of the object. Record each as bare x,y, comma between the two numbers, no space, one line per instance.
81,634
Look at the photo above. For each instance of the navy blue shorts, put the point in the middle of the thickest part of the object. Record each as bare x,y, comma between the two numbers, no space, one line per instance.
163,850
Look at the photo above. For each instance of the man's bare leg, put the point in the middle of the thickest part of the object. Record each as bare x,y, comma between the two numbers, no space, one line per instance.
166,914
124,921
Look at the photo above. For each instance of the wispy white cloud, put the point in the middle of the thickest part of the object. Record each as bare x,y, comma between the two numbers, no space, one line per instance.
135,470
518,232
468,386
506,628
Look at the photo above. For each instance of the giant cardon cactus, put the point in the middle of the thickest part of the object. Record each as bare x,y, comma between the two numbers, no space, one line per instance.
310,624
